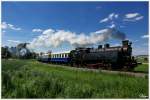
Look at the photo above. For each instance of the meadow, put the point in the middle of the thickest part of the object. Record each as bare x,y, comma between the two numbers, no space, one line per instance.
33,79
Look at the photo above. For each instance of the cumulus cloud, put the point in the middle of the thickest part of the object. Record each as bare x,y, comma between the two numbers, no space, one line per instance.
54,38
37,30
5,25
145,36
132,17
109,18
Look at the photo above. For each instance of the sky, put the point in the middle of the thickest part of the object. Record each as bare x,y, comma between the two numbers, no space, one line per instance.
62,26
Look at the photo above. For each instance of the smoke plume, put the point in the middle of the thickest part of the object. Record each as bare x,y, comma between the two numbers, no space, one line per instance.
54,38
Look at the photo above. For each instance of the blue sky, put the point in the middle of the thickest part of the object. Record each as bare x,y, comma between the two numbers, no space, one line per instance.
25,21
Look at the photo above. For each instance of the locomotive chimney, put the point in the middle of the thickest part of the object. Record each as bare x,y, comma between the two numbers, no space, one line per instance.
100,46
106,45
125,43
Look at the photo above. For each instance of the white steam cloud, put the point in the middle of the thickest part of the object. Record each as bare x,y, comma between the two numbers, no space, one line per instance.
54,38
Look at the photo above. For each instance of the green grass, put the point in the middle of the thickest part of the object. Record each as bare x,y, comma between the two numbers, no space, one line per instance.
142,68
32,79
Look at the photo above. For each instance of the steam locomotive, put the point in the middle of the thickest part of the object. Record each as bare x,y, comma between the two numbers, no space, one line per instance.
111,58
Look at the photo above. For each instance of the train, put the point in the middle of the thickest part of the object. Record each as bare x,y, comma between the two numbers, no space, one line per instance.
103,57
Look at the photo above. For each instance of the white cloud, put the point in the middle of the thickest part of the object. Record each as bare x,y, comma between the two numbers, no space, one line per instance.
109,18
5,25
116,16
54,38
139,18
37,30
48,31
132,17
145,36
104,20
112,26
13,41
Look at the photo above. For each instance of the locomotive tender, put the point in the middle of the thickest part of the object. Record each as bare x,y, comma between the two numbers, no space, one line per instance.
114,58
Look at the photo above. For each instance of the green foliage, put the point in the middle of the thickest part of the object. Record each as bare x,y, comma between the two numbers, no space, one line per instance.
32,79
142,68
142,59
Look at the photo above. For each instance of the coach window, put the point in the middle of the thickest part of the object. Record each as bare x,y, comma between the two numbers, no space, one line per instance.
66,55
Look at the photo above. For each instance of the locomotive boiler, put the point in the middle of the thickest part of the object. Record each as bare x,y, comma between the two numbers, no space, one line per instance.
107,57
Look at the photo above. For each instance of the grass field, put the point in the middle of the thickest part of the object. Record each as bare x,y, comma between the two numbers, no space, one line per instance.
32,79
142,68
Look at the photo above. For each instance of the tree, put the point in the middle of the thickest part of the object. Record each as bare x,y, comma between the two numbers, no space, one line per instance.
5,52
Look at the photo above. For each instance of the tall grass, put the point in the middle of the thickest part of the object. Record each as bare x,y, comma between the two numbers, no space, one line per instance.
31,79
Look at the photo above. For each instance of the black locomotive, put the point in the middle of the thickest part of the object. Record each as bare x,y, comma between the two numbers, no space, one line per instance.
118,57
112,58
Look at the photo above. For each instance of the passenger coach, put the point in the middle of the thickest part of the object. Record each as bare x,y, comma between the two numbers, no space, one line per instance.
60,57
